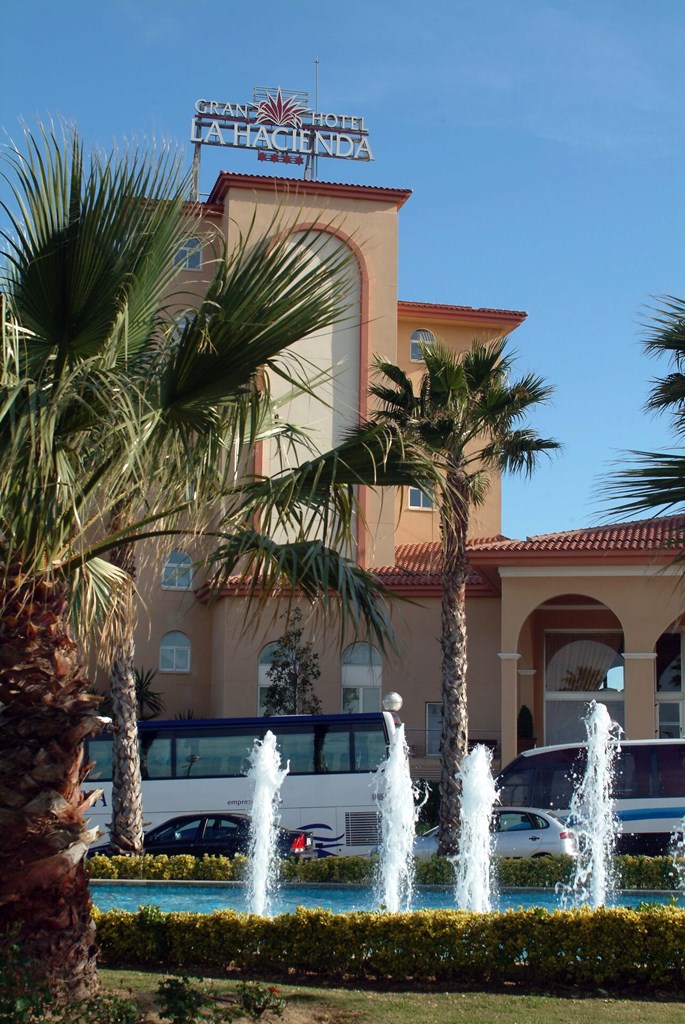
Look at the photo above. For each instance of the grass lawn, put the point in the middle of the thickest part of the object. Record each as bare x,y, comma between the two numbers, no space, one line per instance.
310,1005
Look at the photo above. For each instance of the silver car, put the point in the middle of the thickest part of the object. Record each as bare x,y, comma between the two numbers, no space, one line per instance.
518,832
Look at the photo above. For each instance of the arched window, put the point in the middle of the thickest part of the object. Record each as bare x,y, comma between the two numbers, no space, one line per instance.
177,573
418,337
189,256
581,667
362,676
174,652
266,659
180,322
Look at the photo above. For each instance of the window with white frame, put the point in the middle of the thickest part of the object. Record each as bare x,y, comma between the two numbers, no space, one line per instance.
361,678
174,652
189,255
433,729
581,667
669,686
177,573
419,500
266,660
180,322
421,336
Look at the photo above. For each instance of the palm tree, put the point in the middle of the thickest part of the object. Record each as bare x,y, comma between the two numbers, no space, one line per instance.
110,418
653,482
466,417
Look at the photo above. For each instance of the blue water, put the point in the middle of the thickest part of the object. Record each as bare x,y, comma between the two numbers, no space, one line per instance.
203,899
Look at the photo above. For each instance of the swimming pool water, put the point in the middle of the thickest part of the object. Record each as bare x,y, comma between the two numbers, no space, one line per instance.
203,899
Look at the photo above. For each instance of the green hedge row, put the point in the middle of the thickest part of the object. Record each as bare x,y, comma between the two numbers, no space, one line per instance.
609,948
631,872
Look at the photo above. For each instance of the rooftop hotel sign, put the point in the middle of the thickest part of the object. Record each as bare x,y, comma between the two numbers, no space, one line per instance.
280,127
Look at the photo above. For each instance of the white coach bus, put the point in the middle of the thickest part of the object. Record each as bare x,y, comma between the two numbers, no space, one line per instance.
200,765
648,788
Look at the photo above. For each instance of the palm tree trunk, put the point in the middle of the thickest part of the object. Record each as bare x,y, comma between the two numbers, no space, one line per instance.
126,830
45,713
454,735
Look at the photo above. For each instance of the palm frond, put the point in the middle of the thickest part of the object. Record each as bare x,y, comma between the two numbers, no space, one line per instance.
90,252
666,331
322,575
518,451
97,588
374,454
653,483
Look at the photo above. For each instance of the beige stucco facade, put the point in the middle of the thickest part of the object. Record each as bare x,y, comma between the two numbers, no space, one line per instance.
528,602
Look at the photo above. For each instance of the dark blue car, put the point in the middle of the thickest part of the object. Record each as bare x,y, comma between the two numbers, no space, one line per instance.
217,833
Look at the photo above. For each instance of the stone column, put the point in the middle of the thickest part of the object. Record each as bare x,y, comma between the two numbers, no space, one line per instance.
510,704
640,695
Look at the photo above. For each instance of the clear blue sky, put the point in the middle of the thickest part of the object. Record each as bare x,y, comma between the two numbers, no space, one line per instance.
543,141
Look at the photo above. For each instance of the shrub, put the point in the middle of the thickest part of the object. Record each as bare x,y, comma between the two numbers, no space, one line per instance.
613,948
21,999
533,872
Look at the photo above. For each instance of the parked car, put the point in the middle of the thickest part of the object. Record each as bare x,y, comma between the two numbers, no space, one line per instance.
517,833
216,833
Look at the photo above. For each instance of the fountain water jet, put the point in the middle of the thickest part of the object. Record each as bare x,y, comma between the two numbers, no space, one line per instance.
267,777
399,810
591,813
474,884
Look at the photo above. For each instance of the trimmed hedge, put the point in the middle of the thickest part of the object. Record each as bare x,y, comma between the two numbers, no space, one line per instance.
178,868
631,872
609,948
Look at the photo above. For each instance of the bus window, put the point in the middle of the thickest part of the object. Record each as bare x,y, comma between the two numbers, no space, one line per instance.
206,754
558,786
632,775
670,770
332,749
100,751
556,773
516,787
297,746
370,747
155,756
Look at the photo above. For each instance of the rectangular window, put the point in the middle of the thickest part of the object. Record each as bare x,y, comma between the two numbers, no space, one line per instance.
297,747
205,754
369,748
174,659
419,500
670,770
669,719
631,777
332,750
668,664
433,729
156,756
360,699
564,719
100,751
261,700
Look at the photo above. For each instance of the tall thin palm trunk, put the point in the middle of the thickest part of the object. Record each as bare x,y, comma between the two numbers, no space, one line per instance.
126,831
45,713
454,735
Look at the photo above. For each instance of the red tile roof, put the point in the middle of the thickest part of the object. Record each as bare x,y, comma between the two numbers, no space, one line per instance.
417,568
468,314
418,565
659,533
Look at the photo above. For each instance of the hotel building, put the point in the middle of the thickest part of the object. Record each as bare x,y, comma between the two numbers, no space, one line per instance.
554,621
